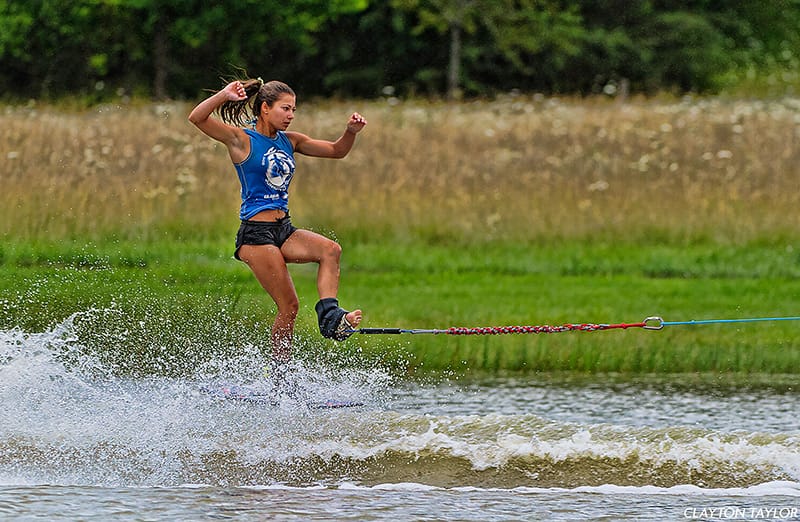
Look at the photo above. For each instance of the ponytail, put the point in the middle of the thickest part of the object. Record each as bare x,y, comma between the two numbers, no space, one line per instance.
243,113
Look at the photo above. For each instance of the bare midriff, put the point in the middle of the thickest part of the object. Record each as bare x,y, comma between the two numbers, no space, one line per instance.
269,215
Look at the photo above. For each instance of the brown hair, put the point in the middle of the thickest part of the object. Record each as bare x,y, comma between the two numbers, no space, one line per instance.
241,113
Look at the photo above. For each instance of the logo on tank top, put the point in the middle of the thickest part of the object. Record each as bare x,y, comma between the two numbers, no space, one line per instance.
279,168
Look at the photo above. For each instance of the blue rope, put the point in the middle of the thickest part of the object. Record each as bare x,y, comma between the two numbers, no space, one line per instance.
656,323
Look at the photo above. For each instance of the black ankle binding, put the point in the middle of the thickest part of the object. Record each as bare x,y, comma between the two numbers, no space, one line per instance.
332,324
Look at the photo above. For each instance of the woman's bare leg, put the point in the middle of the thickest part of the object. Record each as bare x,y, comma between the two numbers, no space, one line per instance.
269,267
304,246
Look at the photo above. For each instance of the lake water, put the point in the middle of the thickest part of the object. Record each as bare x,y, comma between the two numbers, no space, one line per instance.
77,443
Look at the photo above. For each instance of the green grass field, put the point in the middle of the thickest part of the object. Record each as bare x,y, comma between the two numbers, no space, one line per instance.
513,212
169,307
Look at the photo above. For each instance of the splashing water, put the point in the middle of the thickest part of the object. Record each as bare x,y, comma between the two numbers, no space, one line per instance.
67,419
70,419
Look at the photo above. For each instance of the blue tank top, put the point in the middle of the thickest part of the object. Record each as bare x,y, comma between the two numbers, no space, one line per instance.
265,174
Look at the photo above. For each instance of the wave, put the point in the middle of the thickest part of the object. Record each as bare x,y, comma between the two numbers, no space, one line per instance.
208,444
432,458
69,421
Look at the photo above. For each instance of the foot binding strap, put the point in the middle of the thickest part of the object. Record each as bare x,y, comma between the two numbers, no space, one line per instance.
332,321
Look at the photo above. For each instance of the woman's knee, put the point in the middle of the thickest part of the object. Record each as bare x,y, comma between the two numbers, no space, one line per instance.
333,251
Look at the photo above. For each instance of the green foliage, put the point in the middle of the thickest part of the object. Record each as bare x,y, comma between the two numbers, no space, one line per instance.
688,52
106,48
15,22
55,47
536,29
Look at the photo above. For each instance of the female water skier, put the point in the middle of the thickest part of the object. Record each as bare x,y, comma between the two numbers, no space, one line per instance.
263,156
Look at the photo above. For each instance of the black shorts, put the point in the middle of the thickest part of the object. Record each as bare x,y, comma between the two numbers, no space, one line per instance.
263,233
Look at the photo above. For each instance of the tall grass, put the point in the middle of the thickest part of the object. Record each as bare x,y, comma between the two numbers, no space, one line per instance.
514,169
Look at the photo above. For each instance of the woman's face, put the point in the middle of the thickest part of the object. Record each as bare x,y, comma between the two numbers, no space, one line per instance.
281,114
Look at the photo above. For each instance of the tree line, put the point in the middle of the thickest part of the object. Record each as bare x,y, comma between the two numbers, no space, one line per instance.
368,48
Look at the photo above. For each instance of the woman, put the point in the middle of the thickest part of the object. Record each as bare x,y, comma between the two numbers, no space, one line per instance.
263,157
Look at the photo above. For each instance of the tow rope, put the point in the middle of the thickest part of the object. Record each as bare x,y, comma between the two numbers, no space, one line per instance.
650,323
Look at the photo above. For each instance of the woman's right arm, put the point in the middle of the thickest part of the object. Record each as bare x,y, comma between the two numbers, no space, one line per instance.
233,137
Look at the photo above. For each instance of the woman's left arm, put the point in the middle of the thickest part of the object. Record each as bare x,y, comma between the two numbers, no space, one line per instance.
329,149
